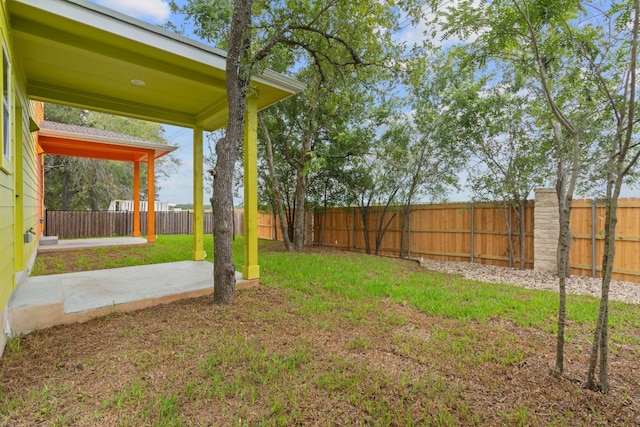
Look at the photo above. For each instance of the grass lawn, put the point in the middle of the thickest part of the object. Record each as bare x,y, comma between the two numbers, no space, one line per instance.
329,338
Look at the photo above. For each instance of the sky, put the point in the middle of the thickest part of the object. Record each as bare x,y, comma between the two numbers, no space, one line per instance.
178,188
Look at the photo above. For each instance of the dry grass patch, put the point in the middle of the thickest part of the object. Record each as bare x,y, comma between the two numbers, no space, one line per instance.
308,355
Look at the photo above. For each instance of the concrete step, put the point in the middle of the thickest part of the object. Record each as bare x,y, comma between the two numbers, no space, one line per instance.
48,240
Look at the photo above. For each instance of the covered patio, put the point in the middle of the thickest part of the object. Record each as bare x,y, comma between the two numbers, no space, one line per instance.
78,141
77,53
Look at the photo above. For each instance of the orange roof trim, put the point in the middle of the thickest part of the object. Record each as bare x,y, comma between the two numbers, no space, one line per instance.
80,141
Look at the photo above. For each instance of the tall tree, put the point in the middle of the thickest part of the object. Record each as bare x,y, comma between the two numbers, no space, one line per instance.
309,132
333,34
275,185
529,39
508,154
613,61
434,156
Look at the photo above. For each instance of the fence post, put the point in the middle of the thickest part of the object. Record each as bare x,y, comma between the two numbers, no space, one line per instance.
545,233
473,221
594,203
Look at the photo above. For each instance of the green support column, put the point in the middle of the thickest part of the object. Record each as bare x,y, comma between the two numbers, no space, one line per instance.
251,269
198,188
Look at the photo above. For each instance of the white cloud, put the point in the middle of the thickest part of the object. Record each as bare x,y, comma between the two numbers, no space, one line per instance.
154,11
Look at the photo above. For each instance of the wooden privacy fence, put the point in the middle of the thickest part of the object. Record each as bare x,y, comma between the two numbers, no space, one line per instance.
478,233
587,227
451,232
84,224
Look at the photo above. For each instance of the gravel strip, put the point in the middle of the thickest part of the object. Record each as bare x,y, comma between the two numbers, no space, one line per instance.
620,291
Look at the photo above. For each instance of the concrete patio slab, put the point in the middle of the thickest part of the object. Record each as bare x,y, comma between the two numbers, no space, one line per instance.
45,301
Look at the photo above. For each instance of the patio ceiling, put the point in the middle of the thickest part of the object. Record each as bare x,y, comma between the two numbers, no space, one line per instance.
77,53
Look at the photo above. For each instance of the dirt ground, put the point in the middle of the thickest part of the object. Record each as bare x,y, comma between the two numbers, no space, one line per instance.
273,359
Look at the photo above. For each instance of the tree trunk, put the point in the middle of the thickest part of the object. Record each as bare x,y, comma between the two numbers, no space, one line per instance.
564,192
227,151
291,214
301,191
618,168
301,178
364,213
600,341
404,228
381,229
509,225
564,207
510,237
276,186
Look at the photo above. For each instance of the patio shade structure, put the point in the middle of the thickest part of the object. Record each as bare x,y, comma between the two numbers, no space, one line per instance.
79,141
77,53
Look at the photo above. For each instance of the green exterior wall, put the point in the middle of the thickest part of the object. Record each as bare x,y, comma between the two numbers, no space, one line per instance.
18,180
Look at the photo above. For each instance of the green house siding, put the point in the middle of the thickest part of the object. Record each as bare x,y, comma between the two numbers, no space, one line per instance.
18,177
7,196
28,191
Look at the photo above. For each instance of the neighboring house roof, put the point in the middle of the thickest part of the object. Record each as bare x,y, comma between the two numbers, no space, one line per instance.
77,53
81,141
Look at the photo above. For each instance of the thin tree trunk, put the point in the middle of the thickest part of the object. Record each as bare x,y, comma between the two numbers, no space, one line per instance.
364,213
301,191
291,214
406,212
507,222
276,185
564,192
563,255
227,151
301,178
381,229
616,173
510,238
600,341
